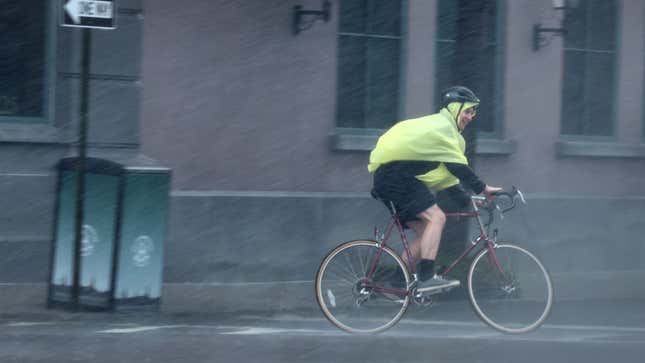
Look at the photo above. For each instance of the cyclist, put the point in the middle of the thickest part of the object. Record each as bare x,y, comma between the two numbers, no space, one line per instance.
417,157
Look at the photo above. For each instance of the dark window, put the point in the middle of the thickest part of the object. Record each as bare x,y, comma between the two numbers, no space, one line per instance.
369,43
22,58
589,69
469,52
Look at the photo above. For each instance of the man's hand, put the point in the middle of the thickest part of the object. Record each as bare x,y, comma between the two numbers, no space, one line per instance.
490,191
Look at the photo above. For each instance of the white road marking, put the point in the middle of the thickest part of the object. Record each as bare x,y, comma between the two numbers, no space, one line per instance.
443,322
605,337
262,331
30,323
138,329
133,330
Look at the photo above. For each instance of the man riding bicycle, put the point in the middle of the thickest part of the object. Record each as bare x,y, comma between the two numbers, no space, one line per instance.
418,157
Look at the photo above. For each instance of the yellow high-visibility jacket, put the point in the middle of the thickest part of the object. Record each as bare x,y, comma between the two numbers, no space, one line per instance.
434,137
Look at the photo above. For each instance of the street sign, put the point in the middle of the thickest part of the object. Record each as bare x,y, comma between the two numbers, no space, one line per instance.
99,14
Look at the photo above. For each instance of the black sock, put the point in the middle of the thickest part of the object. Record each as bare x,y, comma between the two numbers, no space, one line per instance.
425,269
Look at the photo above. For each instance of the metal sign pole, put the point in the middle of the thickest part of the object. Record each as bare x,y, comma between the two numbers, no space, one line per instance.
82,150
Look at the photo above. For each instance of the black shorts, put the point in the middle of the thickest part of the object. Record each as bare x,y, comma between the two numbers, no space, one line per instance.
396,182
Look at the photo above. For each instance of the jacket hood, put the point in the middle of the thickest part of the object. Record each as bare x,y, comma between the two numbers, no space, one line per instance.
455,107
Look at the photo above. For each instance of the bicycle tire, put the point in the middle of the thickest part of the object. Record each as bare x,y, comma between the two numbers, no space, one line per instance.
353,314
518,302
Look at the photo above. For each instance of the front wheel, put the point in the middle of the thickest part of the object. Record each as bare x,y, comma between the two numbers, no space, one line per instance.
361,287
509,288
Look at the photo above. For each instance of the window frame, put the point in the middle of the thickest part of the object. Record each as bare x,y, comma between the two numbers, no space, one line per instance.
573,140
39,129
497,135
402,39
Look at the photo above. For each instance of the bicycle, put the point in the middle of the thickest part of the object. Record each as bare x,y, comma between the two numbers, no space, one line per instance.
364,286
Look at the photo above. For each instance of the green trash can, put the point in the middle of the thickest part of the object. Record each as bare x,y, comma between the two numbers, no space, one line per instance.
121,255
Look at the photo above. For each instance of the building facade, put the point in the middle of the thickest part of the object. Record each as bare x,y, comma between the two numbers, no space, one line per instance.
267,125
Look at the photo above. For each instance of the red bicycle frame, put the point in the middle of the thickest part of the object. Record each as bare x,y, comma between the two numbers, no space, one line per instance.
483,236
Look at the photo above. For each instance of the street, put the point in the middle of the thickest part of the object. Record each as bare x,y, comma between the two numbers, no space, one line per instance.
449,332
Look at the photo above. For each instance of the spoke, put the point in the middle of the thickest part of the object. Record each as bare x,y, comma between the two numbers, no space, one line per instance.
339,270
351,265
369,259
347,268
366,263
362,262
341,278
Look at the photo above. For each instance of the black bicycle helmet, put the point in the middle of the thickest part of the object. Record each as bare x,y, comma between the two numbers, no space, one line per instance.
458,94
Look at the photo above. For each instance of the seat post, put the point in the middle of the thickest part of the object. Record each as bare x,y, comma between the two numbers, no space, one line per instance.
392,208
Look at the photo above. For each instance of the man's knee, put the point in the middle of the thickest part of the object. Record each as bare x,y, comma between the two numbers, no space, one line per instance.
433,214
418,226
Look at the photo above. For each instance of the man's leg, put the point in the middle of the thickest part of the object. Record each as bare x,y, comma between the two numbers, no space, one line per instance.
415,246
426,245
435,220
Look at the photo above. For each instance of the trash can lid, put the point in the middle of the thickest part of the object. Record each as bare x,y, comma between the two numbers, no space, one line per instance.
113,163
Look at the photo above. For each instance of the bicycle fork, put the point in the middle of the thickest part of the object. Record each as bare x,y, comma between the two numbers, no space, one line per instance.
508,286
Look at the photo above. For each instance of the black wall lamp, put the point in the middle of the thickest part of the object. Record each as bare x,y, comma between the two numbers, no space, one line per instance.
305,19
539,40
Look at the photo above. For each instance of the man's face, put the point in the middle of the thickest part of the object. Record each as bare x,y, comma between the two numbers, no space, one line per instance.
466,116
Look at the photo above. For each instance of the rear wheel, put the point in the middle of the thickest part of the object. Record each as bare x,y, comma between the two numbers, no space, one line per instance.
509,288
356,302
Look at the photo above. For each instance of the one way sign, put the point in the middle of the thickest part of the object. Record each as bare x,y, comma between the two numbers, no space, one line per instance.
89,13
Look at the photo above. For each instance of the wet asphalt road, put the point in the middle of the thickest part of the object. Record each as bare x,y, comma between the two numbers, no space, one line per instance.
449,332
